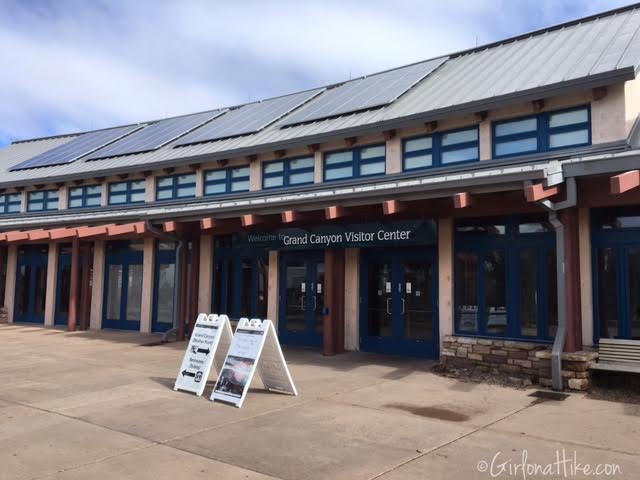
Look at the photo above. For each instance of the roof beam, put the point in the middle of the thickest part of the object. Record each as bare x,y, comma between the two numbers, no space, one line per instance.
251,219
462,200
84,232
290,216
624,182
350,141
171,227
599,93
17,236
62,233
431,126
391,207
334,211
39,234
209,223
537,192
538,105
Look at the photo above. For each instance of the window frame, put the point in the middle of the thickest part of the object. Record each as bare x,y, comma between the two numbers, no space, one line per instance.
287,171
512,243
437,149
175,186
84,196
45,200
543,131
356,163
6,203
128,192
227,181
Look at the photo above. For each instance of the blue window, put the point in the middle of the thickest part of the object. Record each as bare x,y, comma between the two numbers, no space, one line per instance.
616,273
176,186
441,149
505,279
287,173
543,132
85,196
226,180
42,201
121,193
10,203
358,162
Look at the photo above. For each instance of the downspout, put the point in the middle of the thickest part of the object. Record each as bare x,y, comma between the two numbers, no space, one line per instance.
561,275
176,290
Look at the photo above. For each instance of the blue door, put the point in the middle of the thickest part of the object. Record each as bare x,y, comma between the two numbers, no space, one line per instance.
163,290
31,285
399,302
301,298
123,290
63,289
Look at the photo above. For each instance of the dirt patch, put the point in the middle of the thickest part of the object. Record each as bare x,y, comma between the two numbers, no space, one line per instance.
476,375
430,412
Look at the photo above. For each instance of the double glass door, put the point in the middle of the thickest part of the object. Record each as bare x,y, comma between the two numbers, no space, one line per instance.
63,289
31,285
123,290
164,288
302,285
398,302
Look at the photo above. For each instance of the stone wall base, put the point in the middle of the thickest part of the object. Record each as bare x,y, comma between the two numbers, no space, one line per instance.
522,362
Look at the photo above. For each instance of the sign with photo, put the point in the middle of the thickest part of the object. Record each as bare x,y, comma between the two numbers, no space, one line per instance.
255,346
209,344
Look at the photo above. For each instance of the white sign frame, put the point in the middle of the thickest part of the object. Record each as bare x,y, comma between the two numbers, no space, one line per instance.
264,355
214,346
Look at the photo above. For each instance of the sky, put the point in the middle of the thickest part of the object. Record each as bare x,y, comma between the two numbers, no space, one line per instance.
77,65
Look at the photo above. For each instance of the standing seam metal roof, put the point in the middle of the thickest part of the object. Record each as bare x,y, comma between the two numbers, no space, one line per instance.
580,54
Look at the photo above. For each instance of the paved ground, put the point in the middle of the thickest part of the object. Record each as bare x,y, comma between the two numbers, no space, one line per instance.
99,405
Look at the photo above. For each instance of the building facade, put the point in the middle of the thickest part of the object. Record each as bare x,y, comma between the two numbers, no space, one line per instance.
475,208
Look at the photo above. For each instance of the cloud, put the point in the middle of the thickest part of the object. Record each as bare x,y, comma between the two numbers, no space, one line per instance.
73,65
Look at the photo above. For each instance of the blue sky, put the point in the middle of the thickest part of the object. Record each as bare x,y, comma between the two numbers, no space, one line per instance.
73,65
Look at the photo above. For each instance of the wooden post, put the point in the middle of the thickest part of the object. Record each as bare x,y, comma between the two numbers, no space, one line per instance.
338,301
569,218
182,297
74,284
85,293
194,282
328,343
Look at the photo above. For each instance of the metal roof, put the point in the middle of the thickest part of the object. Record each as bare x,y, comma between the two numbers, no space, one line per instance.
596,51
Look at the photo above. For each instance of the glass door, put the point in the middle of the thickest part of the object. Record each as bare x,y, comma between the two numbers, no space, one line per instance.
163,288
399,302
302,298
123,291
63,290
31,286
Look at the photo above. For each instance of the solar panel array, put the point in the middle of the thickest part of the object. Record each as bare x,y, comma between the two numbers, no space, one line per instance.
248,118
155,135
76,148
364,93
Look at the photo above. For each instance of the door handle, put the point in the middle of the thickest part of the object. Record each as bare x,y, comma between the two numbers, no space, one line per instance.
402,299
315,303
303,307
389,305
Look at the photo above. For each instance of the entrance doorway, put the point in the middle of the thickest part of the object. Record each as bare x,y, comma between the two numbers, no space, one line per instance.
123,286
163,287
31,284
63,289
302,286
399,302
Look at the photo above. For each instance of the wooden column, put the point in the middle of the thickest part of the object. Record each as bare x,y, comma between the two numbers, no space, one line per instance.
194,283
74,284
328,342
182,297
85,288
3,254
569,218
338,301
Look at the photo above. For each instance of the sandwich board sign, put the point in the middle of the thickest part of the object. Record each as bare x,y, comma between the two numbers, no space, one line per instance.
209,342
254,347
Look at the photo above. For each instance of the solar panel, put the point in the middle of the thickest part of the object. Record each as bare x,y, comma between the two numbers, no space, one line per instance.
249,118
364,93
79,147
155,135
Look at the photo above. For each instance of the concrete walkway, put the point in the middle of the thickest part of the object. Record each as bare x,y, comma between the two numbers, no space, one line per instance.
99,405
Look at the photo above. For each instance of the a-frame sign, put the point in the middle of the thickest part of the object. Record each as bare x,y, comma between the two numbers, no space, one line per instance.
209,343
